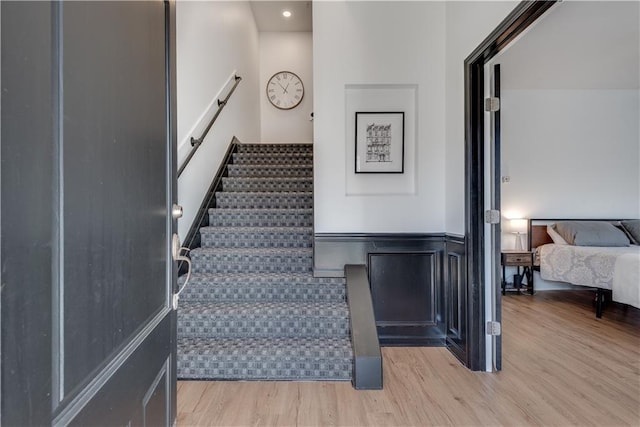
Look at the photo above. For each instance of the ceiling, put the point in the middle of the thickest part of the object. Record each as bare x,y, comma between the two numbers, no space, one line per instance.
268,15
600,51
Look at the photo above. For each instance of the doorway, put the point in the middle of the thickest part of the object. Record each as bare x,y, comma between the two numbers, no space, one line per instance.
481,354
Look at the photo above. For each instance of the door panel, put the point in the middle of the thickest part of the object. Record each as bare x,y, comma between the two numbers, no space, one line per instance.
114,175
456,291
88,178
26,150
140,386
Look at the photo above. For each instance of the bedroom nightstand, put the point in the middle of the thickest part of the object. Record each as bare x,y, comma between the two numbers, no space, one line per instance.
517,259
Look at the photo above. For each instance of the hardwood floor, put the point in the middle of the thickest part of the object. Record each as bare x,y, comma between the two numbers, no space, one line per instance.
561,366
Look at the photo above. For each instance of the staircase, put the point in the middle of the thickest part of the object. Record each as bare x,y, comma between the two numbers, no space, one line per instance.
252,309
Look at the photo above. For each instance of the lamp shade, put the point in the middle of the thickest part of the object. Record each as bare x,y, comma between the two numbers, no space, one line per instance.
518,225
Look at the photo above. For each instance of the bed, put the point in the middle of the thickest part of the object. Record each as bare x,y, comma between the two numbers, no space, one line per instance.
599,254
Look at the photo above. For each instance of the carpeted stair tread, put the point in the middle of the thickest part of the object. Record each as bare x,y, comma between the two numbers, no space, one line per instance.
263,319
275,309
251,184
292,279
272,159
261,217
259,200
268,171
275,148
263,287
318,358
256,237
254,251
265,260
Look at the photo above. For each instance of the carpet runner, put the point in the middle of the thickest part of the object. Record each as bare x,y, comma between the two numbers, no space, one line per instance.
252,309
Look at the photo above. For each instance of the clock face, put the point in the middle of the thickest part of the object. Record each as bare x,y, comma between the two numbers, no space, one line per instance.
285,90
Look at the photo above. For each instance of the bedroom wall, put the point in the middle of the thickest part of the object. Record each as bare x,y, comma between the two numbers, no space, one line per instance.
215,39
571,153
286,51
570,128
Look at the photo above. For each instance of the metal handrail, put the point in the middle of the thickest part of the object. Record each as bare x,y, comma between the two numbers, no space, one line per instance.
196,142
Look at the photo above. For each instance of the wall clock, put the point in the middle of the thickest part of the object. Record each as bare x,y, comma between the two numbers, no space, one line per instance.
285,90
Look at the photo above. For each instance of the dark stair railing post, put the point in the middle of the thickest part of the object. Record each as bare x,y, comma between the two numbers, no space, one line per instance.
367,358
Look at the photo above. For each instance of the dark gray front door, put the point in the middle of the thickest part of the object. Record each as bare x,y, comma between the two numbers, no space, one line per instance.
88,334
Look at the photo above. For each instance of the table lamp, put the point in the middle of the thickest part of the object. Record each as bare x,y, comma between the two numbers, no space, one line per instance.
519,227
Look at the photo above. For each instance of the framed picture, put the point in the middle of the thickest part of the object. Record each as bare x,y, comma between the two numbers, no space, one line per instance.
379,142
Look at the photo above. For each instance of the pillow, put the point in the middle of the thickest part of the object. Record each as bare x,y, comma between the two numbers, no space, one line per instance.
591,233
632,228
557,239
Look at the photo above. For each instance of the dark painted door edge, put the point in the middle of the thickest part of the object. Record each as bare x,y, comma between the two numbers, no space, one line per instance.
172,189
497,229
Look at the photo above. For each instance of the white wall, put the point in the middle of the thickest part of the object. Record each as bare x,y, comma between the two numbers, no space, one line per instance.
571,153
214,40
570,120
379,44
467,25
286,51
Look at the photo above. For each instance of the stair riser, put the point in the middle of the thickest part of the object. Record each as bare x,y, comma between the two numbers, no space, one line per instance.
275,148
264,201
269,171
251,218
217,238
272,159
265,359
220,326
279,185
301,369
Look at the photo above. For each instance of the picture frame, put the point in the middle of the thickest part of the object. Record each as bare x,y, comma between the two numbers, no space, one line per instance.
379,142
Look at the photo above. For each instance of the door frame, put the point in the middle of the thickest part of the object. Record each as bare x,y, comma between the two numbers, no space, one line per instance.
522,16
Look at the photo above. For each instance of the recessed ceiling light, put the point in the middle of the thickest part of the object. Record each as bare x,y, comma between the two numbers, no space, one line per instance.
286,14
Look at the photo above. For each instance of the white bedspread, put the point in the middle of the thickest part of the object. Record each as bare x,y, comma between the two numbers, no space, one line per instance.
626,279
614,268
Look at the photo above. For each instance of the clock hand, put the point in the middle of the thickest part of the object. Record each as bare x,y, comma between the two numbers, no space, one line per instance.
285,91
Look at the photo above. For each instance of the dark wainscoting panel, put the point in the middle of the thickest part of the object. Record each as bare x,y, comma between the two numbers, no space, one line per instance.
332,251
407,298
407,277
142,385
456,297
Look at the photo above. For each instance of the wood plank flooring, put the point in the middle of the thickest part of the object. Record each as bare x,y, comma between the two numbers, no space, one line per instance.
561,366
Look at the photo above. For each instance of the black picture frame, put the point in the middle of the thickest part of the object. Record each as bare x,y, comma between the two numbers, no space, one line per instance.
379,142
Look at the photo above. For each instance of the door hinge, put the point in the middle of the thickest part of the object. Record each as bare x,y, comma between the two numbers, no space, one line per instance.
494,328
492,104
492,216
